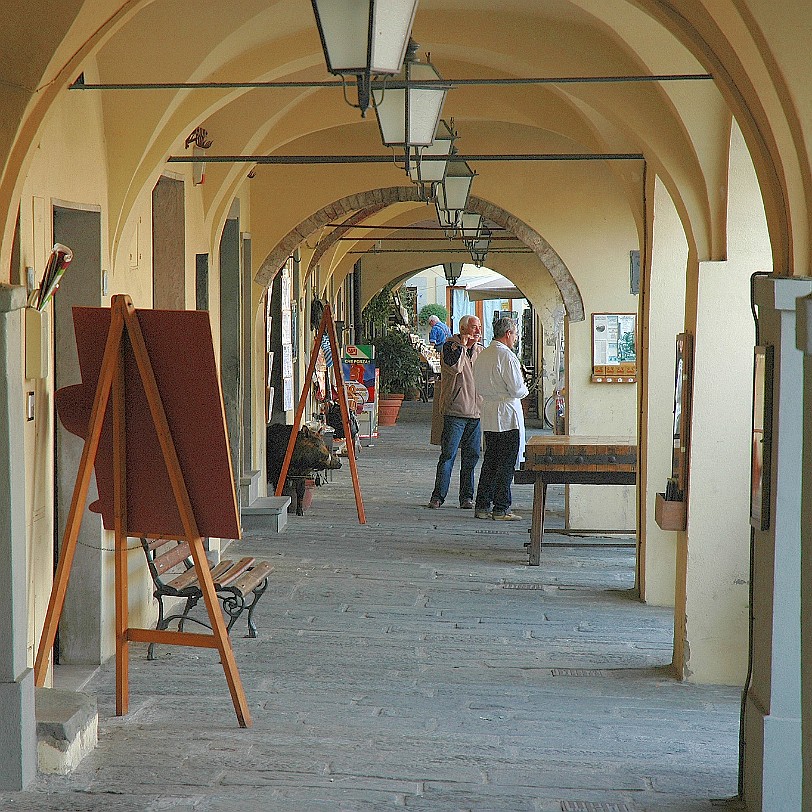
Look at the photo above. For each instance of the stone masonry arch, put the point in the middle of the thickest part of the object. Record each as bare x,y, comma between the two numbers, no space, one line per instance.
366,203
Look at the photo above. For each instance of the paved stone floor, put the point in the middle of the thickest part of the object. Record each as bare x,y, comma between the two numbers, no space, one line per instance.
415,662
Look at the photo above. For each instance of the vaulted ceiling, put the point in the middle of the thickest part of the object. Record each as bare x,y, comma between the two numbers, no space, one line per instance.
681,127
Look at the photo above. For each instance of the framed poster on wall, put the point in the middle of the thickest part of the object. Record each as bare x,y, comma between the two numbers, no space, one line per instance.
761,443
614,347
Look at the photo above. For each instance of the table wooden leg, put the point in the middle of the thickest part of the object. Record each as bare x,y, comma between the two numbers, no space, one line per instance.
537,521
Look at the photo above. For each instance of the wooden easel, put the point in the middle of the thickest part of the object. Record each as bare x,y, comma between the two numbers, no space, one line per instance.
325,325
111,383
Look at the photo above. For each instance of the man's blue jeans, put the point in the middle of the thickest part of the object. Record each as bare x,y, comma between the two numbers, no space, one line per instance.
463,434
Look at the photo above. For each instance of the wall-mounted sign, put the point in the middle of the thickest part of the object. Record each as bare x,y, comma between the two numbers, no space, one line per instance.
360,380
614,347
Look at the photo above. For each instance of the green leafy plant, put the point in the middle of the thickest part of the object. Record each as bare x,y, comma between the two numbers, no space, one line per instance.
626,348
375,315
398,362
432,310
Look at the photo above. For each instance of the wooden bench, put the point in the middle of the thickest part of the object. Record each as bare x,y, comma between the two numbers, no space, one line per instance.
239,584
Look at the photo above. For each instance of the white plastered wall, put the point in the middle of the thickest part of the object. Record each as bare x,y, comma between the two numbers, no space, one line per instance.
666,302
69,166
714,553
596,251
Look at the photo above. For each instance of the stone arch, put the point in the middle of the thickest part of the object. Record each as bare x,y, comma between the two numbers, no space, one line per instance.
366,203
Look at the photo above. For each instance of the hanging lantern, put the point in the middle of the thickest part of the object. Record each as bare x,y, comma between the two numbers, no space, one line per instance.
454,189
408,109
452,271
428,172
479,247
362,38
448,220
470,225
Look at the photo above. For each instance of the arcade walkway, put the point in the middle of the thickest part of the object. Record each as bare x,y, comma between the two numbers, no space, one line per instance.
416,662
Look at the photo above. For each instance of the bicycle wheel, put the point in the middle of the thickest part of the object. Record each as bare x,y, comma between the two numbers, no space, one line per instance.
549,412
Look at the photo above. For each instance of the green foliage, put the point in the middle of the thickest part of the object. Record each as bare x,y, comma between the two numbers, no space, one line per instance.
432,310
408,298
398,362
376,314
625,348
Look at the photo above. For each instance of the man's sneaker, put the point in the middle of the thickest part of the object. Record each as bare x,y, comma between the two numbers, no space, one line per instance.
467,504
483,514
506,517
434,503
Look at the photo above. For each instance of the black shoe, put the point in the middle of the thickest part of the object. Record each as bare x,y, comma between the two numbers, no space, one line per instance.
467,504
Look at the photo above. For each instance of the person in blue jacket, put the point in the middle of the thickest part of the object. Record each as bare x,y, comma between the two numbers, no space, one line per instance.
438,334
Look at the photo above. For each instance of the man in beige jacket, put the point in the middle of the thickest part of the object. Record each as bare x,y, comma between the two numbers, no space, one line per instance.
459,410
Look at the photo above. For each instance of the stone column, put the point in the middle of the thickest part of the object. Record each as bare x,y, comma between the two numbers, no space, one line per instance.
804,343
772,756
18,742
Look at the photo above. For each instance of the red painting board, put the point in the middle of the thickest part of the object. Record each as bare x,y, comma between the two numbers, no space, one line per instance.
181,351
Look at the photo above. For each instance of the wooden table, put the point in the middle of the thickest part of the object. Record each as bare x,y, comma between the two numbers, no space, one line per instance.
572,460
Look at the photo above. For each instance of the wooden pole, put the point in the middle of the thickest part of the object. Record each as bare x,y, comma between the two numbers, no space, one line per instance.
311,368
120,519
187,516
56,602
326,324
345,416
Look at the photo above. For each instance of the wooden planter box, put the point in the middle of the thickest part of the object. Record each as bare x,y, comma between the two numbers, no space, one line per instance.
670,515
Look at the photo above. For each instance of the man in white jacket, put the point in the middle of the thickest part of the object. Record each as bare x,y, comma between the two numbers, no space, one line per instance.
500,384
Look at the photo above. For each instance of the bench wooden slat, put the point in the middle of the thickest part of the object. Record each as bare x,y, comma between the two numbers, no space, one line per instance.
235,571
165,561
253,577
189,578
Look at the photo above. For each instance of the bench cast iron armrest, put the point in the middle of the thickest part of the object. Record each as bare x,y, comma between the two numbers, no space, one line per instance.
239,584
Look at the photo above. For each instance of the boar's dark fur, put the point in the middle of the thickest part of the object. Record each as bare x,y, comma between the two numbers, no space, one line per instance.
310,454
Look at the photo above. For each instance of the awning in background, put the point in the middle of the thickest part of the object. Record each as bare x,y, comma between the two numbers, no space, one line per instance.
495,287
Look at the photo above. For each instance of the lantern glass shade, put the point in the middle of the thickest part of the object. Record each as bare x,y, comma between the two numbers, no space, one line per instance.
408,112
453,192
479,247
453,271
433,171
470,226
364,36
447,218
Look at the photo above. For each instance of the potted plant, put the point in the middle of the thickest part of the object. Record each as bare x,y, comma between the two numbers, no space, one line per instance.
399,365
375,315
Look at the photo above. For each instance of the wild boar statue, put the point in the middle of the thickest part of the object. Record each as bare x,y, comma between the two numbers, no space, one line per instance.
310,454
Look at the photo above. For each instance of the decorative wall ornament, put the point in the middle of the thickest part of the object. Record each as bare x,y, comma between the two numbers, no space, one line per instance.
198,139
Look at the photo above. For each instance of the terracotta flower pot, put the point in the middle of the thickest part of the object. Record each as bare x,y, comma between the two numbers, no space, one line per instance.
388,409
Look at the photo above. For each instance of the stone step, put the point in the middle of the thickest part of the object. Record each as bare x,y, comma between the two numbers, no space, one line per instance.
249,487
67,728
267,514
